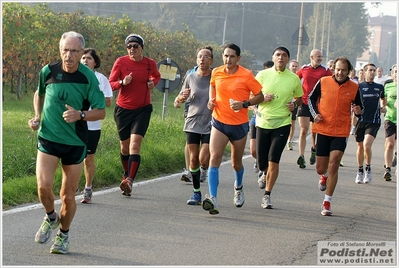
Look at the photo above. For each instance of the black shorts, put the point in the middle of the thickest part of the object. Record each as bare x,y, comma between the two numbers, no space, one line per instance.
390,128
304,111
196,138
132,121
365,128
69,154
327,144
94,138
270,144
294,114
252,130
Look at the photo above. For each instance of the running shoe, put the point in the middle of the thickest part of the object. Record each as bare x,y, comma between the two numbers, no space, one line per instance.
367,177
323,183
359,177
61,244
126,187
186,176
203,174
239,196
341,164
312,159
326,209
387,174
87,194
210,204
394,160
289,146
301,161
262,181
195,199
266,202
44,232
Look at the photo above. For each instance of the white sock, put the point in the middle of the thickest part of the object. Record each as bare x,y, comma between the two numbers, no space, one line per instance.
327,198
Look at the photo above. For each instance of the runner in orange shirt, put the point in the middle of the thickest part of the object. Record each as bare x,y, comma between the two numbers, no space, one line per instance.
330,104
229,93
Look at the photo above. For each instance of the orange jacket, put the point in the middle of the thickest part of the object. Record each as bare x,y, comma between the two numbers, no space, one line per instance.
333,102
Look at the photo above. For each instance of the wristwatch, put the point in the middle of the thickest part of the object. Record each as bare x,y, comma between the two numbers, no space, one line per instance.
295,105
121,82
82,115
246,104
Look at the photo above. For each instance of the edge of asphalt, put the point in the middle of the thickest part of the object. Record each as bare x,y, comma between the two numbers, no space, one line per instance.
22,208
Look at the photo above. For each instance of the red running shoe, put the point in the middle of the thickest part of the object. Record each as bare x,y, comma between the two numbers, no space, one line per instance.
322,183
126,187
326,209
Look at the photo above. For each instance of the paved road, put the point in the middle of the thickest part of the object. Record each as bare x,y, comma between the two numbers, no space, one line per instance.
156,227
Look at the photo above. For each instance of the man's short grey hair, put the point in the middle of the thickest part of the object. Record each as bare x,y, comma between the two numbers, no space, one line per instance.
73,34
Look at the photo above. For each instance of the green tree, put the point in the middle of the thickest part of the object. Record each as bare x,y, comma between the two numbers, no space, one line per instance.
24,52
31,34
348,31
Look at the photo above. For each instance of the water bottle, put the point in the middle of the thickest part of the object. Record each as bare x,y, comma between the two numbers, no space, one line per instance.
231,102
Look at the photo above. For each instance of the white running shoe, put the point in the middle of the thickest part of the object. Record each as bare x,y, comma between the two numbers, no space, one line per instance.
239,196
359,177
210,204
266,202
262,181
367,176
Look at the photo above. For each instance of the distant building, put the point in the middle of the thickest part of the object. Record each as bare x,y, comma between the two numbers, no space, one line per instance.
382,39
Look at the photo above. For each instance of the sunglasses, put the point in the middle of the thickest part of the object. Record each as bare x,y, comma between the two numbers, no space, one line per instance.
135,46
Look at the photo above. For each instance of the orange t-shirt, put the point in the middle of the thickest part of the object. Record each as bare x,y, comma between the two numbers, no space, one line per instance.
237,86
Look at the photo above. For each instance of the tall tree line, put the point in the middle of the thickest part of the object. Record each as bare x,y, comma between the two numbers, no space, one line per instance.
256,26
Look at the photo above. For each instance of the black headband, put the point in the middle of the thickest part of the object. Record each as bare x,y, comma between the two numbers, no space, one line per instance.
283,49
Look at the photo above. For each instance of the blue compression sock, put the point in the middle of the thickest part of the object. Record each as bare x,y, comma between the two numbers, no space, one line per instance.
238,177
213,181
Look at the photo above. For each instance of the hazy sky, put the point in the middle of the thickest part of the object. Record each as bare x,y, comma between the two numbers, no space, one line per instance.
387,8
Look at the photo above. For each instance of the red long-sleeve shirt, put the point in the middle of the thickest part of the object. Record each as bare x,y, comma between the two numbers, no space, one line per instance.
136,94
309,77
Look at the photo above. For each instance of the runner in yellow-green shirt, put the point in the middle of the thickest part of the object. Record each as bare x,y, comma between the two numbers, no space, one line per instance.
280,87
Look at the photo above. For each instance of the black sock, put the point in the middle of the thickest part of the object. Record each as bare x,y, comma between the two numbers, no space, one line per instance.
267,193
196,178
64,232
51,215
368,168
361,169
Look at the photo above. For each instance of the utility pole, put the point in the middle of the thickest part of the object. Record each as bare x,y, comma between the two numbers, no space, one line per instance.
315,29
298,56
328,35
224,24
224,29
242,27
322,32
389,50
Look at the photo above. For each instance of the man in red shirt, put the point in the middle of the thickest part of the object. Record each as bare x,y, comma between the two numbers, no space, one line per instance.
309,75
134,75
